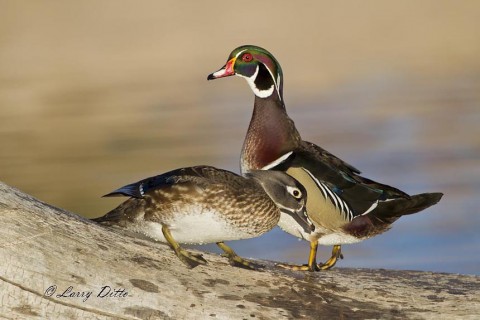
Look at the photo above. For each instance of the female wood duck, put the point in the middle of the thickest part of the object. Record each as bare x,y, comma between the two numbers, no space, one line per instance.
203,204
344,206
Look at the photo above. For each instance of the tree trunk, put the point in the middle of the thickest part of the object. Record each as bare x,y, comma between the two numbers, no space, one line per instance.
56,264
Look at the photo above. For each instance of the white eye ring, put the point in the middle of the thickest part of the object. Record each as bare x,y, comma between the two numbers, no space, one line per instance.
295,192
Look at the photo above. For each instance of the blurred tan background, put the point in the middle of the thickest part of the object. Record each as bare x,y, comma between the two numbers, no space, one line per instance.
98,94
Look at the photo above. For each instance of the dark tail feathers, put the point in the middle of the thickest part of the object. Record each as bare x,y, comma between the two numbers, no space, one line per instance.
125,211
394,209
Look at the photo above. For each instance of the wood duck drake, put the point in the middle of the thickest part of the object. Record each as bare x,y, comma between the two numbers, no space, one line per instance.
203,204
344,206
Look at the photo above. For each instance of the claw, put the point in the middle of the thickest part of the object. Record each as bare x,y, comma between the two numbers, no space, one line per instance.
191,260
336,254
303,267
312,265
237,261
245,264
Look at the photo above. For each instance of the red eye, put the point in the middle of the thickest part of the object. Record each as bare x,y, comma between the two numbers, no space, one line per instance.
247,57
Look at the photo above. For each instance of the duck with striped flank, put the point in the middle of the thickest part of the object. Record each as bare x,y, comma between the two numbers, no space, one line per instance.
344,206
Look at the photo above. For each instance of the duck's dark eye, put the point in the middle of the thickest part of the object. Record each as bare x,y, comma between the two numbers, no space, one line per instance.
247,57
295,192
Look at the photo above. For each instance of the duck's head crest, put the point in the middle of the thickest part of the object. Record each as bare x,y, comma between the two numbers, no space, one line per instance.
258,66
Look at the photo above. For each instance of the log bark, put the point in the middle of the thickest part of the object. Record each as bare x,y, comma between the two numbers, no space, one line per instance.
58,265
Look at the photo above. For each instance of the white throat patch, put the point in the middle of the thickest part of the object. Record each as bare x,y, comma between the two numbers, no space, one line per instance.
258,93
251,82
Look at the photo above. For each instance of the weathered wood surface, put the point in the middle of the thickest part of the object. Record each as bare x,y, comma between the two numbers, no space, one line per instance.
44,248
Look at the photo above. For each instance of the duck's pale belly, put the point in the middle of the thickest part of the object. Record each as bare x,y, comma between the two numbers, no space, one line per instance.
198,227
338,238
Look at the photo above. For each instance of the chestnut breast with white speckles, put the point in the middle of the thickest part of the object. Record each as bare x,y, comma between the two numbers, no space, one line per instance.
270,135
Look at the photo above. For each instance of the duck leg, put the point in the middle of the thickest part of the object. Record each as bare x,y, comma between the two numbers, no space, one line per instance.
190,259
312,263
235,259
336,254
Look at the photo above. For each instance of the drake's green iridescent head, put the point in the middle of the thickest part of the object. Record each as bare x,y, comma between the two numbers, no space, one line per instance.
258,66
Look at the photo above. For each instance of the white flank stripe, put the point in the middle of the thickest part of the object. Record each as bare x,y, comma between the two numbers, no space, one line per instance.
375,204
372,207
334,197
344,210
322,188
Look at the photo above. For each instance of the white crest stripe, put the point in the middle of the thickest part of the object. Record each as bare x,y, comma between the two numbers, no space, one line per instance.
372,207
238,54
276,82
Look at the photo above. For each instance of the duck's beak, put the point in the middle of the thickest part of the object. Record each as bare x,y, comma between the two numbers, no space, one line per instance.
225,71
307,223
